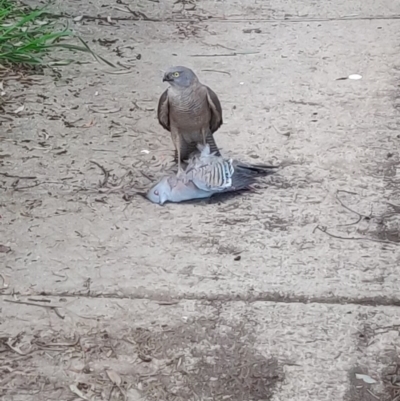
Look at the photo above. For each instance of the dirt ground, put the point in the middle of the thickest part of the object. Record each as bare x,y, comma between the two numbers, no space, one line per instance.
108,299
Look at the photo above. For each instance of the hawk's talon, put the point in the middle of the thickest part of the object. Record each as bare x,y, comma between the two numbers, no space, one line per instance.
180,173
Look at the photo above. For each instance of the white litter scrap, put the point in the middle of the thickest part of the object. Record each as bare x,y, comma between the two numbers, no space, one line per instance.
365,378
21,108
351,76
355,76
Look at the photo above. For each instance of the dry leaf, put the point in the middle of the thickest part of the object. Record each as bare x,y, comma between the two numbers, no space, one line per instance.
4,249
119,72
19,110
78,392
91,123
41,23
104,110
114,377
5,283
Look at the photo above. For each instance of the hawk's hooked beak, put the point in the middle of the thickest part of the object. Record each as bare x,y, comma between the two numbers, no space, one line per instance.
167,78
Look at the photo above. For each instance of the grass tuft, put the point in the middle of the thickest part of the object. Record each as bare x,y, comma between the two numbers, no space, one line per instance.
27,37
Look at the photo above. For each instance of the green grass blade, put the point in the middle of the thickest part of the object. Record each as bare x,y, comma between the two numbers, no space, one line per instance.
24,39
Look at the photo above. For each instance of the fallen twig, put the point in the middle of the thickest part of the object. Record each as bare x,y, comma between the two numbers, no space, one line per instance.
360,216
376,397
5,283
52,307
223,54
166,303
396,208
18,176
145,175
324,230
62,344
105,172
17,350
28,186
38,300
221,72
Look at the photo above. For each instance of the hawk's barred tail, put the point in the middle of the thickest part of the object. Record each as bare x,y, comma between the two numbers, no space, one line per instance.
213,146
186,150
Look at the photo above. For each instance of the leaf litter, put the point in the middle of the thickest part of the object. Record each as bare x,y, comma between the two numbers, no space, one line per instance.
203,358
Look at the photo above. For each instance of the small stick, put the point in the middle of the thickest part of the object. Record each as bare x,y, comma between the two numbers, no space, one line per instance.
105,172
53,307
75,342
32,303
5,284
38,300
221,72
373,395
223,54
354,238
346,207
17,176
57,312
29,186
17,350
360,216
165,303
145,175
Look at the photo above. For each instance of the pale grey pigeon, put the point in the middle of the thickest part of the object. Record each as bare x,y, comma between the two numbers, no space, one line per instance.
189,110
206,175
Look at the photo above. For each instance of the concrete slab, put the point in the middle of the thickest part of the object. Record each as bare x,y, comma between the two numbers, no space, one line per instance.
310,348
284,102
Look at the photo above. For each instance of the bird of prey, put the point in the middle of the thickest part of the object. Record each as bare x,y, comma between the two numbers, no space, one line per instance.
189,110
206,175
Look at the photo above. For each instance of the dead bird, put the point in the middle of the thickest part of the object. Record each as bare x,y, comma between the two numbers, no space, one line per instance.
207,174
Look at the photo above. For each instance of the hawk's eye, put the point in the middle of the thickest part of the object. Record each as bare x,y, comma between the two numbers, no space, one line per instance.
156,192
176,74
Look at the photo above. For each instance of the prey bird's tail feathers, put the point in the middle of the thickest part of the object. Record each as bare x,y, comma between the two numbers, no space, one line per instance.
210,140
209,172
246,175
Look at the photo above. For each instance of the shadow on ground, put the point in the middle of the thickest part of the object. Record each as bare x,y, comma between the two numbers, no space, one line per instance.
197,360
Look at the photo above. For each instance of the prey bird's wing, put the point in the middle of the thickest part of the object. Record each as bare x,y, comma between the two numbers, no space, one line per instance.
210,172
213,176
163,111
